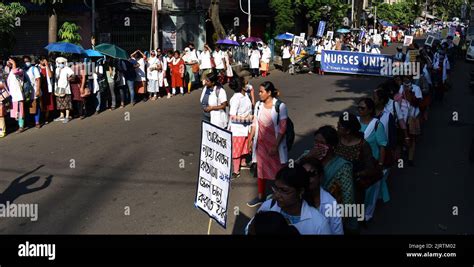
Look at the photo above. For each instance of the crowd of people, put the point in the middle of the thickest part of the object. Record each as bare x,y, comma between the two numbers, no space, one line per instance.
364,41
35,91
350,163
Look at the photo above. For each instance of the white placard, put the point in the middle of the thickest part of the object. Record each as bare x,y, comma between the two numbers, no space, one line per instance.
429,40
215,169
408,40
329,35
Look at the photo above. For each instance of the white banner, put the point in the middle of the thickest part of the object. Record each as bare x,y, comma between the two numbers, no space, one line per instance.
215,169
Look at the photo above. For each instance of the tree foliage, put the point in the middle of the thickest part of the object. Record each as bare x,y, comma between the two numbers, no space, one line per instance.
8,14
69,33
447,9
331,11
401,13
284,14
313,11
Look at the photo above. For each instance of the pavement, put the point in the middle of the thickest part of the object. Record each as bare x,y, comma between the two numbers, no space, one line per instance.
120,172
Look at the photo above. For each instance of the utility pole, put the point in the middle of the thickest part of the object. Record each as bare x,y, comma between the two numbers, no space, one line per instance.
352,15
156,32
93,18
375,21
249,30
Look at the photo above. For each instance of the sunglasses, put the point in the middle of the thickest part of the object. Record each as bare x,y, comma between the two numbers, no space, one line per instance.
361,108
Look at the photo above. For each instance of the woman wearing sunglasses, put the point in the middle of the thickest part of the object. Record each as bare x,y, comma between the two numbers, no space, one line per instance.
288,191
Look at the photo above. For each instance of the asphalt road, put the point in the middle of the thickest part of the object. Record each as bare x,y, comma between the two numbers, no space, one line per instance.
129,160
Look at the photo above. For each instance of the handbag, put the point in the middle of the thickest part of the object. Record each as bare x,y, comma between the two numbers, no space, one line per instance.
60,91
195,68
4,94
373,176
140,87
414,127
86,92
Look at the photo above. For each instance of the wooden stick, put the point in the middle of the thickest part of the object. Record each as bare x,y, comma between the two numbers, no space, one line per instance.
209,227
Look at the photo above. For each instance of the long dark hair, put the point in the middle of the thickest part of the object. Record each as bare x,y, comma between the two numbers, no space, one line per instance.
237,84
370,105
329,134
269,87
296,177
351,123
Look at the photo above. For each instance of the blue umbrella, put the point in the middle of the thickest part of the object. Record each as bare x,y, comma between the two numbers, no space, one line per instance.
227,42
93,53
285,36
65,48
343,31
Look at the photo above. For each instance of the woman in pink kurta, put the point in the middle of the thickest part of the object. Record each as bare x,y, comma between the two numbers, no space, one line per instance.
267,139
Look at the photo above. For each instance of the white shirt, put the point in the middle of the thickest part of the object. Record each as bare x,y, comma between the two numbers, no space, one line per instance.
219,59
192,56
153,62
14,87
286,52
412,111
205,58
32,74
327,201
240,105
312,222
141,77
218,117
254,59
266,55
319,51
64,75
377,39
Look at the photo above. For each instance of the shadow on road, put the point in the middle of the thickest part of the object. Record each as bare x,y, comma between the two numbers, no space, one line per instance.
18,187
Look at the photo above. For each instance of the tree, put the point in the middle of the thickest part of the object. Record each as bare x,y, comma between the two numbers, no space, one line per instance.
8,15
52,6
331,11
69,33
446,9
401,13
216,21
284,14
313,11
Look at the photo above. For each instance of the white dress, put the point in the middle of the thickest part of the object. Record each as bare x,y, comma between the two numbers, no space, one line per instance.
229,71
254,59
240,105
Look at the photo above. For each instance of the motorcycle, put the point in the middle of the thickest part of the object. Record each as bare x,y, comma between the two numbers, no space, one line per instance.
301,65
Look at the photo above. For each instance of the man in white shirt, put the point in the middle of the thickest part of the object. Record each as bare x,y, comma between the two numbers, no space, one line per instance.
286,56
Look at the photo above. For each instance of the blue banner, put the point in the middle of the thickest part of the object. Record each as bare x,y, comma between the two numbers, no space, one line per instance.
321,28
354,62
